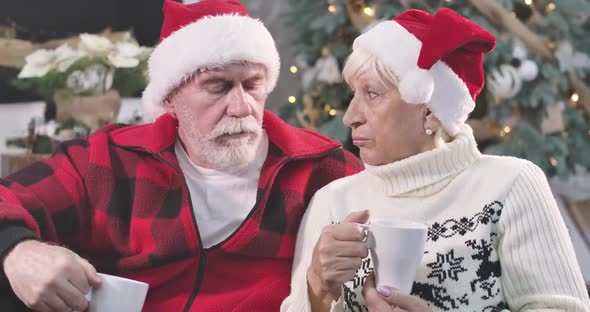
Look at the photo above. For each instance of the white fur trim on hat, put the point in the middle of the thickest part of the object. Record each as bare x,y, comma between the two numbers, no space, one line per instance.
211,41
442,89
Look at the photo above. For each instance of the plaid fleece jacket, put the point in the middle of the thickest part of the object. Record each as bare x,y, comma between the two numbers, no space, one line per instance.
120,200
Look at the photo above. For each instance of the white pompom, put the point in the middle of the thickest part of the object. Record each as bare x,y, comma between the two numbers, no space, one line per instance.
519,52
528,70
416,86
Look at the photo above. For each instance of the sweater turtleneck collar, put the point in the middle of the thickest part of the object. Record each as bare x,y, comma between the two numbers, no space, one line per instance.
425,171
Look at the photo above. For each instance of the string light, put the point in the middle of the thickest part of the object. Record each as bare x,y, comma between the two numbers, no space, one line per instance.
550,7
369,11
513,14
332,8
504,131
551,45
293,69
553,161
528,2
332,112
575,97
292,99
327,108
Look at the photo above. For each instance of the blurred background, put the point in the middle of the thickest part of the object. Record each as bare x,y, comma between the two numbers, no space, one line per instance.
68,67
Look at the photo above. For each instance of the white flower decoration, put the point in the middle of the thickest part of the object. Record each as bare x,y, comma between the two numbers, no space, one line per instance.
127,55
47,129
39,63
96,45
66,56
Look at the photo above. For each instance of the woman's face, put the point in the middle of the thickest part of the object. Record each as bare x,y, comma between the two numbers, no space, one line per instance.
384,127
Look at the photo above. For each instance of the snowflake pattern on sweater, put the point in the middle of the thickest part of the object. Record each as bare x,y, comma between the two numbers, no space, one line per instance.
460,265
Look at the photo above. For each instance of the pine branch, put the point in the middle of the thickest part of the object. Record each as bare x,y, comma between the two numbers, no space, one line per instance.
357,18
312,114
536,16
504,20
582,90
484,129
534,42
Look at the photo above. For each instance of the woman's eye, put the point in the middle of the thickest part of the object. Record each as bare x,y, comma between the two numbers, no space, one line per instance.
372,94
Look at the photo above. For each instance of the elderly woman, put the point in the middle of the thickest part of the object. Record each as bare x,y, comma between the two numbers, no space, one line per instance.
495,240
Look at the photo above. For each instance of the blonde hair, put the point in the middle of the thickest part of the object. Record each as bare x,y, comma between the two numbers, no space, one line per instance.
363,61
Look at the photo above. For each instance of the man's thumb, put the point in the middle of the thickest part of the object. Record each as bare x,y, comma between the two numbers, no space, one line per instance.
90,272
357,217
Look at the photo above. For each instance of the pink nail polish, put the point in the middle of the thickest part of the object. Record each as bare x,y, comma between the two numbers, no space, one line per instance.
384,291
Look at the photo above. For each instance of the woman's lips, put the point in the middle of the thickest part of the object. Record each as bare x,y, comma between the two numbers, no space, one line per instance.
360,141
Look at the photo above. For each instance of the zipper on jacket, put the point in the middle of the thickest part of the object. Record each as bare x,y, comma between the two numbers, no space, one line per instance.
265,198
202,251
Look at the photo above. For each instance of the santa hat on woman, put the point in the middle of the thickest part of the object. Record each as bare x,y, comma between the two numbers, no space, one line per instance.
437,58
206,34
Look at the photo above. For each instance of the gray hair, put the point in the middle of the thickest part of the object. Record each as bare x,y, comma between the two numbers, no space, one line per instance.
364,61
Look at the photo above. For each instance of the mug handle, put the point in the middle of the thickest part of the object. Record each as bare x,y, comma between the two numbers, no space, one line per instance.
88,296
368,241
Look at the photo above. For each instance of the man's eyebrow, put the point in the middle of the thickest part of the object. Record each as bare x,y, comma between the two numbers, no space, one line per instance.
255,77
213,80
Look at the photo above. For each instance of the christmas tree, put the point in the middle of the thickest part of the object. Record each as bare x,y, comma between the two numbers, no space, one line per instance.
536,103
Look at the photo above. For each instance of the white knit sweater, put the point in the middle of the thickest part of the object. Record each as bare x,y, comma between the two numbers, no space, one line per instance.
496,240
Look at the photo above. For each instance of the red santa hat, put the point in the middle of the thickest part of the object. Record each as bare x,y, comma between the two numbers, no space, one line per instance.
438,59
201,35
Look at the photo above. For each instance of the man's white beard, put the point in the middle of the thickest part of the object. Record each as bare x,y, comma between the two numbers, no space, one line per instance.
226,153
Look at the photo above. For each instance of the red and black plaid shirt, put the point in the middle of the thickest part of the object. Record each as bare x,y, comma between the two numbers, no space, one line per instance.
120,200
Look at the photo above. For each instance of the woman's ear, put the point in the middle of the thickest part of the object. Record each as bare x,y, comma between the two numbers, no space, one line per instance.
431,122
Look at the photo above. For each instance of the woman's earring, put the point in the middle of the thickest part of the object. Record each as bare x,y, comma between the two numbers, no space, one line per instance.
429,131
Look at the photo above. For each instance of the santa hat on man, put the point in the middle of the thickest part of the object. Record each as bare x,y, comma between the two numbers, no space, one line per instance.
202,35
437,58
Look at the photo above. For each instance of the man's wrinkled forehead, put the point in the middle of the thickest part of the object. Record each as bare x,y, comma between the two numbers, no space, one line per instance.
241,71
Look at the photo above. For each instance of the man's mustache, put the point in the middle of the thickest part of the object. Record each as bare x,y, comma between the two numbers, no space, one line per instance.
235,126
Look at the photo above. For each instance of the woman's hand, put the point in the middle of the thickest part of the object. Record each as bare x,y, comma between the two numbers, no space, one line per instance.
386,299
336,257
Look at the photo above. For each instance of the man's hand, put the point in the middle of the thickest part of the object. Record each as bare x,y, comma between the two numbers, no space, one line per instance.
49,278
336,257
387,299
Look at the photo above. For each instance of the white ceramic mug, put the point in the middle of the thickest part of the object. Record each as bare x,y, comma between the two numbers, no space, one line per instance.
396,249
117,294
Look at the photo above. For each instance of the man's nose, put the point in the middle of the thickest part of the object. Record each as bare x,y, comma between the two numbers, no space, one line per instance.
238,105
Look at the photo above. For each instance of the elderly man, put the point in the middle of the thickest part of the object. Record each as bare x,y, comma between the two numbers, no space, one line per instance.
203,204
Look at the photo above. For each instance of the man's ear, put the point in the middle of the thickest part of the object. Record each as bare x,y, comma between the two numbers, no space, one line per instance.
170,107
